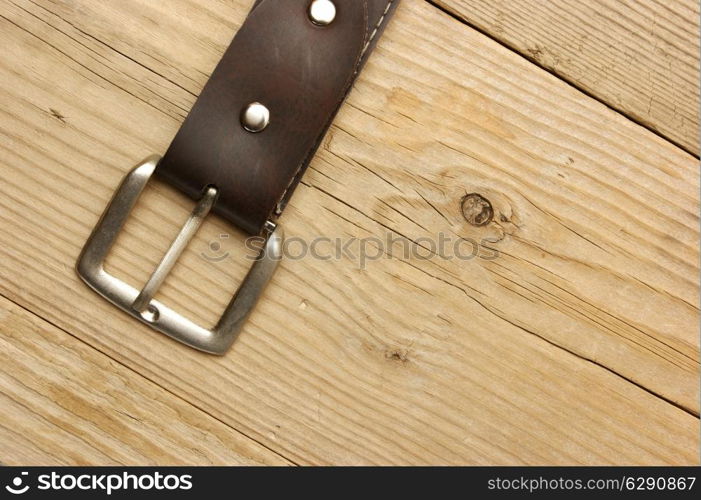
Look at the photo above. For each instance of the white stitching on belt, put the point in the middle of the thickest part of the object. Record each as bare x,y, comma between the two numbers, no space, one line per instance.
278,208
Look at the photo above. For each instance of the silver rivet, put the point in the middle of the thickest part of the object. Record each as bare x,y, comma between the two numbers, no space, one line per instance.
255,117
322,12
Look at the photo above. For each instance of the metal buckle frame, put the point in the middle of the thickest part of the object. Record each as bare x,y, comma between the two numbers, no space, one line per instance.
140,303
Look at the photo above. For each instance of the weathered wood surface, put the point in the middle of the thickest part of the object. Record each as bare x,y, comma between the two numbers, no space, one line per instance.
641,57
65,403
578,344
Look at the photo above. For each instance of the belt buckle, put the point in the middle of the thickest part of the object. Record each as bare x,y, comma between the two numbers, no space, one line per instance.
140,303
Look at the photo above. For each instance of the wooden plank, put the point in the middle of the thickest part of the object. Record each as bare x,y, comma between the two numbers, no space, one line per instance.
641,57
562,350
64,403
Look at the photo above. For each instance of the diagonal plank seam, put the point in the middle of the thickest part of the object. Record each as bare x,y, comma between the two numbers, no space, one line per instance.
88,35
132,370
92,72
561,77
490,310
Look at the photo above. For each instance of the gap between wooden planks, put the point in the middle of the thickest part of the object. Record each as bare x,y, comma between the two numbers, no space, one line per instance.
550,354
63,403
639,57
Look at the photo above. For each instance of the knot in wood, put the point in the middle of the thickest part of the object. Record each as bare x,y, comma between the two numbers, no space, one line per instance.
477,209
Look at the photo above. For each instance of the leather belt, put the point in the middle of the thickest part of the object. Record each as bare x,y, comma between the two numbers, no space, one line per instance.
244,147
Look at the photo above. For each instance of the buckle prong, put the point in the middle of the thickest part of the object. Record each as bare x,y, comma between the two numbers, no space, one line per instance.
199,213
141,304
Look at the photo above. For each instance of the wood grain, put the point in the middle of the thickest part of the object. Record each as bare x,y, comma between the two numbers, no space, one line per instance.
577,344
64,403
641,57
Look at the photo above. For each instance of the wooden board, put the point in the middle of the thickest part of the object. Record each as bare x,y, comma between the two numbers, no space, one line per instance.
641,57
65,403
577,344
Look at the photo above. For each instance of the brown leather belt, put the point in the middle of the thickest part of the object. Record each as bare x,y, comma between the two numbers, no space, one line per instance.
244,147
